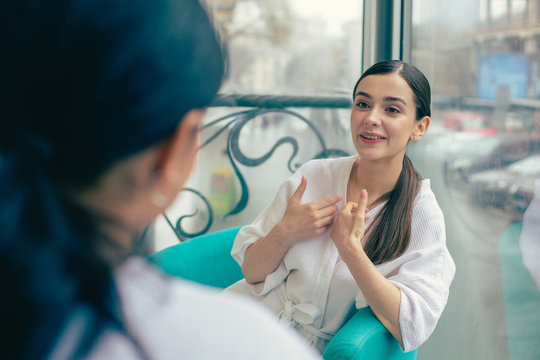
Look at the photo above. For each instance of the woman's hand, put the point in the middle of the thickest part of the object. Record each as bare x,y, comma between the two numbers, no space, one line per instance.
348,229
302,221
382,296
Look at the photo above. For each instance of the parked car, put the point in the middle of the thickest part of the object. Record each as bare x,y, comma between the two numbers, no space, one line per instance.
510,188
483,153
469,122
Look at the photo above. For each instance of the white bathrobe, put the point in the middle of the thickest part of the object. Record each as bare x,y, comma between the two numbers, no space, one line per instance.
312,288
529,242
169,318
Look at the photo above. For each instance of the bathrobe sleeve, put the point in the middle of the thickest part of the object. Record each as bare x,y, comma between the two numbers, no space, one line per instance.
260,227
424,278
423,273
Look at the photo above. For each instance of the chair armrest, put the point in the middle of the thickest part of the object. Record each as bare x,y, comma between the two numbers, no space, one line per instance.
205,259
364,337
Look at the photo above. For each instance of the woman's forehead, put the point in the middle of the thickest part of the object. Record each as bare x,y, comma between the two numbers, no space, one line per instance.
385,86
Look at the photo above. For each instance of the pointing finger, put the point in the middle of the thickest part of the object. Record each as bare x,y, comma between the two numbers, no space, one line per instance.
362,203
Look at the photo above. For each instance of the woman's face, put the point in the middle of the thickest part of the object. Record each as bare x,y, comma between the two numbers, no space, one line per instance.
383,118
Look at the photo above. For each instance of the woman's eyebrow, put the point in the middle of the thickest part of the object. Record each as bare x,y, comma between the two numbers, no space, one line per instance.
391,98
361,93
388,98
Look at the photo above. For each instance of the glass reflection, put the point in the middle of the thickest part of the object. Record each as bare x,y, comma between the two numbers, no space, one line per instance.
482,59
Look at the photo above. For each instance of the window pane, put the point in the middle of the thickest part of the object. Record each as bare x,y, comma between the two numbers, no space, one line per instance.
301,48
291,46
482,154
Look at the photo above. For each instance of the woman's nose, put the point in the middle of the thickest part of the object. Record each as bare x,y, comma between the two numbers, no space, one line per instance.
372,117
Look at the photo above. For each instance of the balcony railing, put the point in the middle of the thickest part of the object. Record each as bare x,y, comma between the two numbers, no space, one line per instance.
230,126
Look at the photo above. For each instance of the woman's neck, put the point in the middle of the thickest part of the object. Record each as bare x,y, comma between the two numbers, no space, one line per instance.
376,177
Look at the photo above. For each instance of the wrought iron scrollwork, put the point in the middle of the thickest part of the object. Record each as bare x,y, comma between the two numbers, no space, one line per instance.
177,228
236,121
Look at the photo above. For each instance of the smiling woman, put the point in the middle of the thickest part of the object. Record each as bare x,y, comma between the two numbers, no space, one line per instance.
386,120
385,249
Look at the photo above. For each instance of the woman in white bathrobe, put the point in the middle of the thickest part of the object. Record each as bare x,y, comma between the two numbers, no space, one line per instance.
324,248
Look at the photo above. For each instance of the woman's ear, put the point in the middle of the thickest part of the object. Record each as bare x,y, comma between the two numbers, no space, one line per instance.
177,156
183,148
421,127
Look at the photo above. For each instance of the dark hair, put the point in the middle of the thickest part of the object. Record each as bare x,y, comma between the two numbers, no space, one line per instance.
390,232
83,85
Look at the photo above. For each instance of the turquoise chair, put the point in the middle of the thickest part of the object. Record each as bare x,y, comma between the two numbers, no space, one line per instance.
521,299
207,260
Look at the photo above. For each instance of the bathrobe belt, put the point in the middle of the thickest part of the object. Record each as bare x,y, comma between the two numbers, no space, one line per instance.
302,314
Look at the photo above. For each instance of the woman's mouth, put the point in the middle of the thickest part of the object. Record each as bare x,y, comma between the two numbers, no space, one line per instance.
371,139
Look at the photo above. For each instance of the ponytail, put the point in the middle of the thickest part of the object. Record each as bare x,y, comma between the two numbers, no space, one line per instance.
390,232
47,266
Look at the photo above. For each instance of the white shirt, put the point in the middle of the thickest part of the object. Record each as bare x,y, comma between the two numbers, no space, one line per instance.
529,242
312,288
174,319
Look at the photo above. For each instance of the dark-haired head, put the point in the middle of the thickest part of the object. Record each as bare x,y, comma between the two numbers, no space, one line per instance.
414,77
390,231
99,80
84,85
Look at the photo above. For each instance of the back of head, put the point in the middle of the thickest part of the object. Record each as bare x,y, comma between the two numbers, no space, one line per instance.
83,85
99,80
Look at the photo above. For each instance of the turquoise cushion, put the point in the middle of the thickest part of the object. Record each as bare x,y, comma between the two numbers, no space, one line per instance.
205,259
521,299
376,342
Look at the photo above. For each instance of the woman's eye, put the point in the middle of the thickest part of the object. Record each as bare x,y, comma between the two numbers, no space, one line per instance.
362,104
393,109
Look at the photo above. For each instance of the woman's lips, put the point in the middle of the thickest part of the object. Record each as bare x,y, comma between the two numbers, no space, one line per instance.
371,138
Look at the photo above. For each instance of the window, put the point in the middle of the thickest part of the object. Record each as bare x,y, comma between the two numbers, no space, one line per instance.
481,58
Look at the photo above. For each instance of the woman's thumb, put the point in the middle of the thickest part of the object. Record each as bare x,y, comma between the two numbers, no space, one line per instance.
297,196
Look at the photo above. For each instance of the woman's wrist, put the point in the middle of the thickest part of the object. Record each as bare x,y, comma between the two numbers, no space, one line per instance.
281,236
353,252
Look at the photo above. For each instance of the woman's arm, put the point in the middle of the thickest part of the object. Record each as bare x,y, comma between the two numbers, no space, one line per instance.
383,297
300,221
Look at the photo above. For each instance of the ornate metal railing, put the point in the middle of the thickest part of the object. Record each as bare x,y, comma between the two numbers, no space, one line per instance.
234,122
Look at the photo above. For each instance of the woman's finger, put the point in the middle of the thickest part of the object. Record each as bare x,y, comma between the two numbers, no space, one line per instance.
329,210
325,221
329,201
362,203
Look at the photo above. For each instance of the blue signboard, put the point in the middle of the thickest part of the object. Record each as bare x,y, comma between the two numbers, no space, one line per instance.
496,70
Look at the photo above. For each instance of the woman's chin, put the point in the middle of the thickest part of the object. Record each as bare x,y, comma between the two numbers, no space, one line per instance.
368,154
